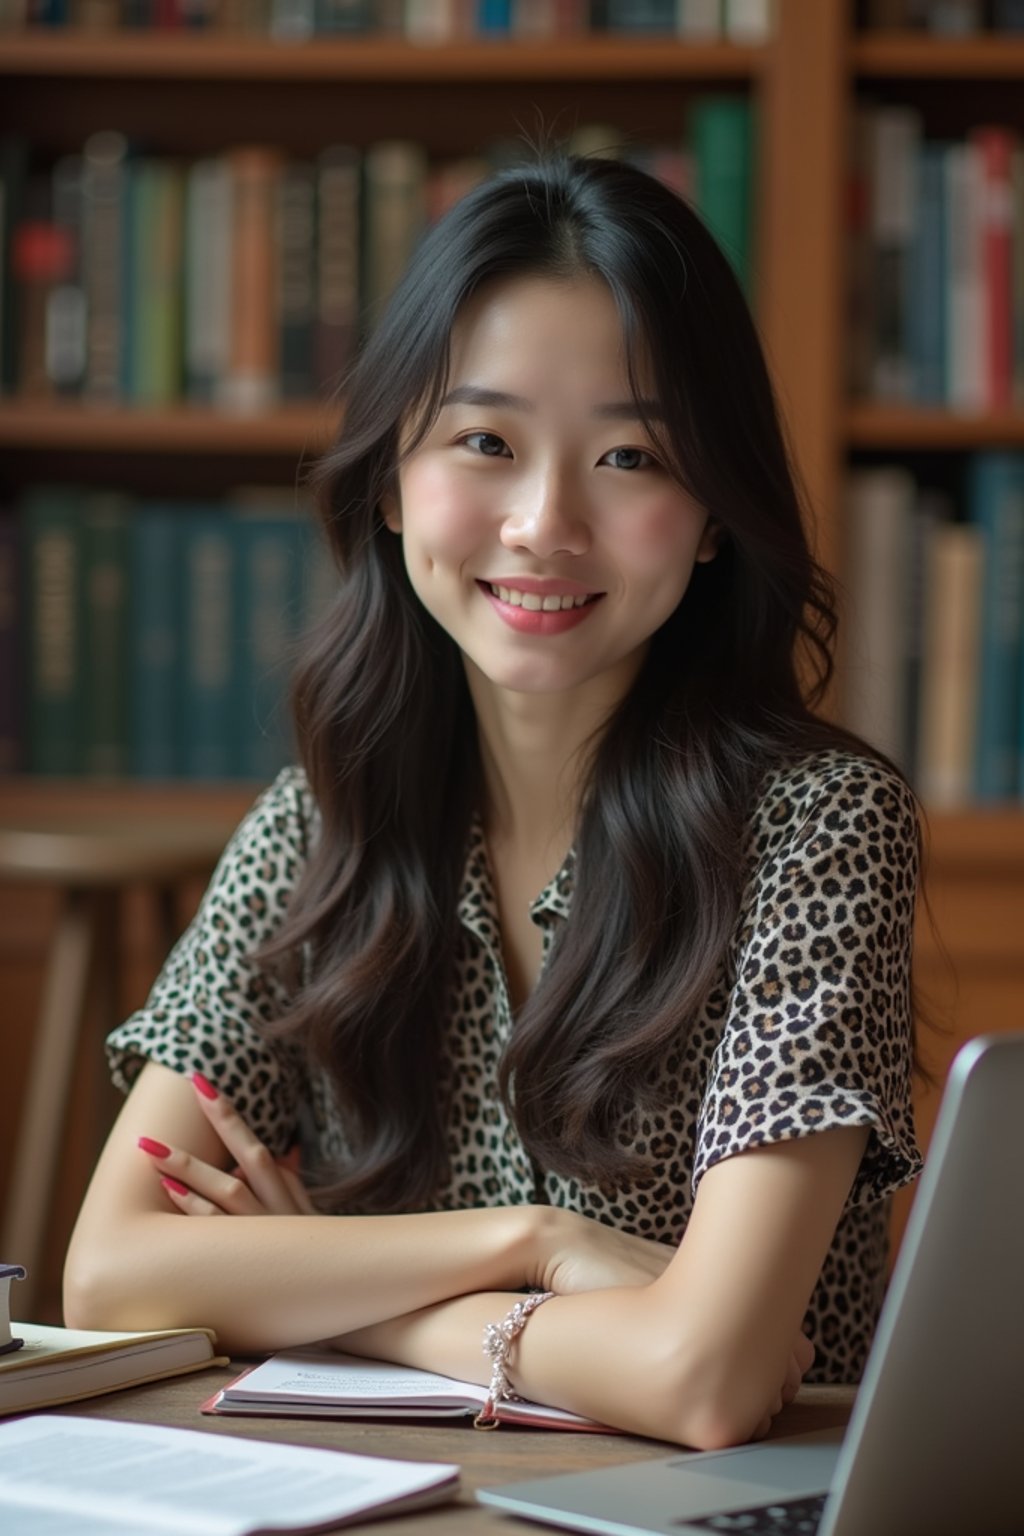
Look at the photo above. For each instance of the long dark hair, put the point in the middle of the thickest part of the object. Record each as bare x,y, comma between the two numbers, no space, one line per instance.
388,735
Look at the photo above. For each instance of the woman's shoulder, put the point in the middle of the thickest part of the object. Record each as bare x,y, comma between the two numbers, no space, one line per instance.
832,789
284,818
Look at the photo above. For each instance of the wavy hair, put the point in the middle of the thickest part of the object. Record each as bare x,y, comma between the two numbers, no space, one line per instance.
388,736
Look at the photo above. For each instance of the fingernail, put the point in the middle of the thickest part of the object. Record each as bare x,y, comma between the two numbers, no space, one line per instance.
175,1185
154,1148
201,1085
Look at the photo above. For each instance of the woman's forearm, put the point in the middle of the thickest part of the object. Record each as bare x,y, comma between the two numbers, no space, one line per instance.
269,1282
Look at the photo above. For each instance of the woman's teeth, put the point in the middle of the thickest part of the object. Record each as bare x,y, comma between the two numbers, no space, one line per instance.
536,603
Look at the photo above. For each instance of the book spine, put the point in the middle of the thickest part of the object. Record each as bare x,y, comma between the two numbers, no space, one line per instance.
965,291
268,552
42,259
641,16
12,726
953,572
895,135
337,235
13,175
67,317
1008,15
996,508
879,508
395,214
252,382
1017,181
209,613
932,508
296,276
699,18
994,149
493,18
103,241
721,133
929,279
292,19
533,18
347,16
157,633
105,599
749,21
153,329
52,534
207,278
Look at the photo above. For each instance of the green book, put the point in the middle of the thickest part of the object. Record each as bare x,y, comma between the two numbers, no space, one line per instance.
722,136
53,543
156,243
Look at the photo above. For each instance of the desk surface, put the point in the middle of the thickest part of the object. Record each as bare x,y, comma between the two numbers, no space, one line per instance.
501,1456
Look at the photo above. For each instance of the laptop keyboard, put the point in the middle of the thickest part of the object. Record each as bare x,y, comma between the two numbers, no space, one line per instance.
791,1517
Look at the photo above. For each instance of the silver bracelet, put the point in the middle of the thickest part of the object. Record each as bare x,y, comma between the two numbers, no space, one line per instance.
498,1341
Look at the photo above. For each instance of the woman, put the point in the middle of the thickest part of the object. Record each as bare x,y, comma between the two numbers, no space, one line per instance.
575,605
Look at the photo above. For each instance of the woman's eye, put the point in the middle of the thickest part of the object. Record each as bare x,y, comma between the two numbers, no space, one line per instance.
630,458
488,443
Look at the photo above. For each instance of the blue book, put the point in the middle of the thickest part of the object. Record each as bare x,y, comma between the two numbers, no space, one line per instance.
493,17
157,632
208,644
642,16
928,277
268,543
107,519
996,506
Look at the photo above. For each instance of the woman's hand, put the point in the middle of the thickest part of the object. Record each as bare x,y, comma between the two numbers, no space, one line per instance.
800,1361
258,1185
578,1253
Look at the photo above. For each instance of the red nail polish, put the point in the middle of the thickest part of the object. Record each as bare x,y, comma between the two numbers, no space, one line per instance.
174,1184
202,1086
154,1148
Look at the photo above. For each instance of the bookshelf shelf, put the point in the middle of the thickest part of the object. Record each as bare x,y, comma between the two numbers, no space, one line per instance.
282,430
909,427
907,56
163,56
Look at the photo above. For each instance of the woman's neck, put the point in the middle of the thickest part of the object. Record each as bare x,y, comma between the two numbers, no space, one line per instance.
533,750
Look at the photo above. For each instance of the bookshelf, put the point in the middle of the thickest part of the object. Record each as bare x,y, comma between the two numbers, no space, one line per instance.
193,94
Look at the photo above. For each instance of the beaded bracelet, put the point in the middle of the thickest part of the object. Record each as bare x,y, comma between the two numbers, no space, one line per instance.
498,1341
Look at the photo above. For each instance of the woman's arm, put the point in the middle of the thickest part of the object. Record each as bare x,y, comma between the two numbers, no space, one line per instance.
275,1280
700,1356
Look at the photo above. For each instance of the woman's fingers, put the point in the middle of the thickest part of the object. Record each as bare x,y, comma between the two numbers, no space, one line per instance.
215,1191
259,1169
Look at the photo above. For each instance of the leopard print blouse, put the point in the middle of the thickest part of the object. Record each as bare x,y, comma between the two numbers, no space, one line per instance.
807,1026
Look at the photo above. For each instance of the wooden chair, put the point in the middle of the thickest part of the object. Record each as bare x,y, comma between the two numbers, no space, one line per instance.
92,863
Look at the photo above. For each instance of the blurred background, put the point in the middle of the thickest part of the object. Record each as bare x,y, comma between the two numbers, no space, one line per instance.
204,204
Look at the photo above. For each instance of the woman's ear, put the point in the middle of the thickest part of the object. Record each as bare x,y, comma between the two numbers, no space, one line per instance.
391,511
710,541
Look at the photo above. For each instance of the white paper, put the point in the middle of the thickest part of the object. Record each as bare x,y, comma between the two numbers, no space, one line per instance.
309,1376
60,1473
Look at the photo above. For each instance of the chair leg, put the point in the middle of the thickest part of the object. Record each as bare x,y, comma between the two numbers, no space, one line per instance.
38,1143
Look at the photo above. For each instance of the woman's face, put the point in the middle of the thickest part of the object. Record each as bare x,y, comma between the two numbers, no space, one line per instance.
538,524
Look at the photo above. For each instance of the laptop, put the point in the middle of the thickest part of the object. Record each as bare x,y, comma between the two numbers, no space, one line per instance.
935,1443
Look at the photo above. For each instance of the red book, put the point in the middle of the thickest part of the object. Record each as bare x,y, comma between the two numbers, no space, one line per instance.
995,154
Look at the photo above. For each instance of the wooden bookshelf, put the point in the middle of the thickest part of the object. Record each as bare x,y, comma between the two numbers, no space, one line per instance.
193,93
186,57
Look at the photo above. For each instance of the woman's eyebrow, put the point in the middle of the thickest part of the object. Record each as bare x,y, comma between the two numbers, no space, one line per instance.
499,399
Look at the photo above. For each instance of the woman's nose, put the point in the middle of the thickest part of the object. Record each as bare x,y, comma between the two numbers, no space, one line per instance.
549,519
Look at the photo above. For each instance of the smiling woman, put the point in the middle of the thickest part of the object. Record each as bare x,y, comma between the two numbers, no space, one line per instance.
575,956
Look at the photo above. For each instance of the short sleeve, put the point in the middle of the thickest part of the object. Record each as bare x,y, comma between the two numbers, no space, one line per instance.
209,1002
819,1028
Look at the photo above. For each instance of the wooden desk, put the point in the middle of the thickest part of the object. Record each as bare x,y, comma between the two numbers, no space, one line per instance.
501,1456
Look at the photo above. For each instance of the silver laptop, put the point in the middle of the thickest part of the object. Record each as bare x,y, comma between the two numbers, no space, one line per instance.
935,1444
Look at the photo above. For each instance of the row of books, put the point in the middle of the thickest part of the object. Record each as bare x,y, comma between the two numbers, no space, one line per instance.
746,21
935,586
937,264
246,277
152,639
952,18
